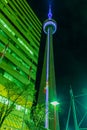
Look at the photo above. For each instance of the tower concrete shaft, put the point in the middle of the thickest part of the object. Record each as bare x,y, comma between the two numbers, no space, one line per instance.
49,28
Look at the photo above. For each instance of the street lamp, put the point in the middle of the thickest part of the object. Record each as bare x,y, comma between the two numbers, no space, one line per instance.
56,120
55,103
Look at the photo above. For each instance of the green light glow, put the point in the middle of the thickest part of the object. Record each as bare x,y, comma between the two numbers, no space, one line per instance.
54,103
16,66
8,76
25,45
4,100
6,26
6,1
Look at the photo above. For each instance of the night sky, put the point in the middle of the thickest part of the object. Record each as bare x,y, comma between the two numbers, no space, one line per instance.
70,47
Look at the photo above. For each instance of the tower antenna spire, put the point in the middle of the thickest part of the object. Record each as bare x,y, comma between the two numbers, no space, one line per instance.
50,12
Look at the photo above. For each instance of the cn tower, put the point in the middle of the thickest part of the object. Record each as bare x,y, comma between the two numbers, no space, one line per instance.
49,28
47,92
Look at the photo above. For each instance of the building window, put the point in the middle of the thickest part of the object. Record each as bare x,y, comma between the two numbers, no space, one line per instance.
24,45
11,78
7,27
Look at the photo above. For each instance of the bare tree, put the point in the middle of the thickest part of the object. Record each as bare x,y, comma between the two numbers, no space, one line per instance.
13,95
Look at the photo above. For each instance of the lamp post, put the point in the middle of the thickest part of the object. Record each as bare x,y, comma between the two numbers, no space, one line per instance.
55,104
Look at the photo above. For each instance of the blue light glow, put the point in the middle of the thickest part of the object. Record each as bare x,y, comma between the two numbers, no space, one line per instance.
50,13
49,23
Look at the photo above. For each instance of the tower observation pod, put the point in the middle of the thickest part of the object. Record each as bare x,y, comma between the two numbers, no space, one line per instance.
50,24
49,28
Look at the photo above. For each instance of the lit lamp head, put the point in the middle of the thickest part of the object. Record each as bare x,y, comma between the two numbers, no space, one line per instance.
55,103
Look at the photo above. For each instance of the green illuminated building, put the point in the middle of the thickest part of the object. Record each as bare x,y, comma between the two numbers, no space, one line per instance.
20,34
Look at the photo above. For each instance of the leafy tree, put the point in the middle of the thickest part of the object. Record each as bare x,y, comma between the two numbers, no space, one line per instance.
13,95
37,119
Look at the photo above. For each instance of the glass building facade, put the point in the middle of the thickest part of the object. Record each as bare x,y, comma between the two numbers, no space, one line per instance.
20,34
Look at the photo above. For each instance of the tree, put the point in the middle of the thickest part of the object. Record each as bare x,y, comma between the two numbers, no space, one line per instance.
37,118
13,95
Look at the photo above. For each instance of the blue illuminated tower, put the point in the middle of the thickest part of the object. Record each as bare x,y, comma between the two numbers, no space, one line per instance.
47,92
49,28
